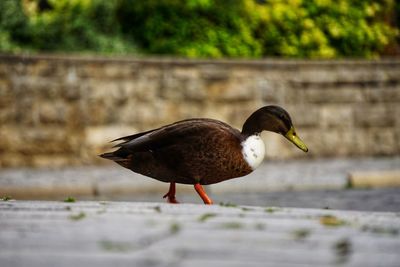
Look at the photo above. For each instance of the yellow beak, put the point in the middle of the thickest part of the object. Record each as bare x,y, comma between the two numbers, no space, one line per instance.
292,137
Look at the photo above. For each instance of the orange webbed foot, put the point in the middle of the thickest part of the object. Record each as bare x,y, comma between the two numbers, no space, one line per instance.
170,195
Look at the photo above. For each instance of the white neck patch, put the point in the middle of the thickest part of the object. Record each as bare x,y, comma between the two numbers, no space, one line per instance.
253,150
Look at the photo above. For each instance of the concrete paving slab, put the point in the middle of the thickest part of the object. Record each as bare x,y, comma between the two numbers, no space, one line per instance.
98,233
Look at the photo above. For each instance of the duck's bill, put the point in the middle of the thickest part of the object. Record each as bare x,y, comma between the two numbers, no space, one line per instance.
292,137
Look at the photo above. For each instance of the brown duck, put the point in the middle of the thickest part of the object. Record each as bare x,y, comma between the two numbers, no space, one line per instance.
202,151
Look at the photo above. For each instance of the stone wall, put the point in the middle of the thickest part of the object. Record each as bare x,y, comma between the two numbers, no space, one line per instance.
56,111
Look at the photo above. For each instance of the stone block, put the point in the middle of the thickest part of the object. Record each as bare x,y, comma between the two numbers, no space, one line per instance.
4,70
146,113
46,88
72,92
194,90
212,73
7,99
273,92
396,114
180,87
373,116
382,94
36,140
5,89
234,89
351,74
118,70
48,69
53,112
72,85
110,90
312,75
382,141
7,115
333,95
13,159
293,96
8,135
26,111
141,89
392,74
192,109
342,73
78,115
239,89
336,116
53,161
97,112
45,140
337,142
185,72
359,145
109,70
304,115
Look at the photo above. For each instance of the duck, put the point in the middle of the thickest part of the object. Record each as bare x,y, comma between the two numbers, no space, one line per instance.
202,151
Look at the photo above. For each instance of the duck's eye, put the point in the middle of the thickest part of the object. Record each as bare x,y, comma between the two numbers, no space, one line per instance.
294,134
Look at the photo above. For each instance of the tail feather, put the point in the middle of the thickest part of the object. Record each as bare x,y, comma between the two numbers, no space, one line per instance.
118,155
111,156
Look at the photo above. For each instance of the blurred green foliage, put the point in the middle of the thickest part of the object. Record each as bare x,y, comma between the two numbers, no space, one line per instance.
249,28
13,25
202,28
62,25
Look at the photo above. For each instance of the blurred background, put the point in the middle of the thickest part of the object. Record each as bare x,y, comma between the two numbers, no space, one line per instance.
75,74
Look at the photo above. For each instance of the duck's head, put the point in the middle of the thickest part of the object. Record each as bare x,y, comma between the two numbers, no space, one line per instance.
273,119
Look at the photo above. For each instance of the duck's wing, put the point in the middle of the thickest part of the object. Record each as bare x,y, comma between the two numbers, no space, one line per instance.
128,138
182,131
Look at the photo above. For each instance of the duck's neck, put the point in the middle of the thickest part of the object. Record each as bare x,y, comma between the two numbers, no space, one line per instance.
250,127
261,120
253,150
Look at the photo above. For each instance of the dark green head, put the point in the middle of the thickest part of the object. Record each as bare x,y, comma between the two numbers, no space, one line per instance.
274,119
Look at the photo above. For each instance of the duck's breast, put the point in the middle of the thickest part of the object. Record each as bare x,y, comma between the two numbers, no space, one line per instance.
253,150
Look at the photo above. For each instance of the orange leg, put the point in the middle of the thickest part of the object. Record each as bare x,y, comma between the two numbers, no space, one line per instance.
171,194
203,194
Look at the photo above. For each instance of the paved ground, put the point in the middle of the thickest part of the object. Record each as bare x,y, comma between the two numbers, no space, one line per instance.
295,183
88,233
376,199
115,180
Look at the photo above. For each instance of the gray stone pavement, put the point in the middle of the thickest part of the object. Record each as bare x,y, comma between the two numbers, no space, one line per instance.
94,233
375,199
113,180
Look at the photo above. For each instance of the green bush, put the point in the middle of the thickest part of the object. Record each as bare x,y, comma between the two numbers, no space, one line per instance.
249,28
194,28
72,25
202,28
64,25
13,25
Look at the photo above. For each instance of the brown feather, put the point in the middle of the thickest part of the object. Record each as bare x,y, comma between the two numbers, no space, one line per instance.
189,151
